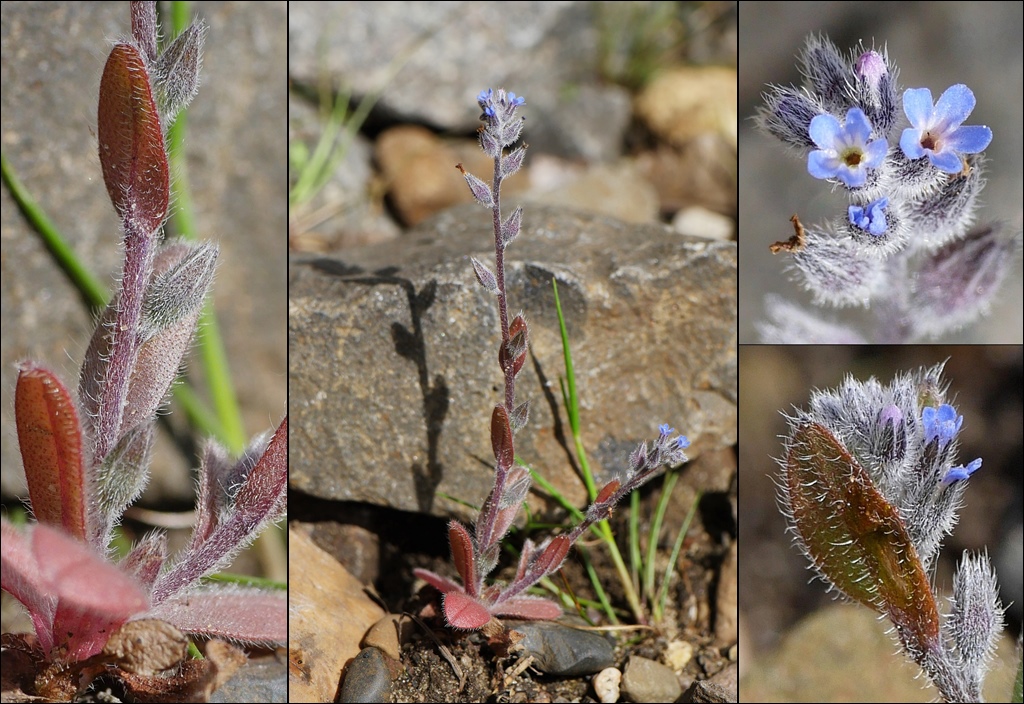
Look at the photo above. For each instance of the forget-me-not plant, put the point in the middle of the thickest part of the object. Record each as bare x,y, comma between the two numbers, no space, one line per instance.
473,603
870,485
906,248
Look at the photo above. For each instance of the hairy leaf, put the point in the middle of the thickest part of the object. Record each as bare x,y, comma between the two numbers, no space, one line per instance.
50,439
131,142
854,537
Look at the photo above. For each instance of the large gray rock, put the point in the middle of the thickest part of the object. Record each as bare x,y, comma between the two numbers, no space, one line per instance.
428,61
393,354
53,56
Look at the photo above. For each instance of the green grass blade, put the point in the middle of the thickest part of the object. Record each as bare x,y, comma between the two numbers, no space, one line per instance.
635,558
659,603
246,580
655,534
229,429
595,581
88,285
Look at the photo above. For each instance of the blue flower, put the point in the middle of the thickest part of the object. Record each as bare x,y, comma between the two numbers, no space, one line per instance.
937,130
682,442
871,217
942,423
665,430
958,473
843,150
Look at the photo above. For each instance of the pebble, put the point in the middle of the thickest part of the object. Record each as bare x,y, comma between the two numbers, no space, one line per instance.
649,681
677,654
367,679
606,685
701,222
388,634
722,687
726,603
562,651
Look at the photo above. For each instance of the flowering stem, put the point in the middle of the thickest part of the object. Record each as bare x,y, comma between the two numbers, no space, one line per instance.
499,265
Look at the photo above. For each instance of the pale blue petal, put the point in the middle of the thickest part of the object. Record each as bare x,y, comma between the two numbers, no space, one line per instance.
947,161
825,131
910,143
917,104
858,129
853,178
875,153
822,164
954,106
969,139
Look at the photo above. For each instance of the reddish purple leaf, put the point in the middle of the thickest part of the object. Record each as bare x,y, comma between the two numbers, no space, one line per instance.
441,584
22,580
93,596
552,557
462,555
132,143
51,450
606,493
465,612
518,335
854,536
532,607
248,615
501,438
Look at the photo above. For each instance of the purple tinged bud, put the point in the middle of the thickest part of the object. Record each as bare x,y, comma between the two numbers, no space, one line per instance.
480,190
484,275
513,162
893,442
891,414
510,228
871,67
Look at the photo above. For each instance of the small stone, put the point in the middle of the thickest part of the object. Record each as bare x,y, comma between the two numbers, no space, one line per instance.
388,634
720,688
677,654
606,685
726,603
367,679
562,651
701,222
649,681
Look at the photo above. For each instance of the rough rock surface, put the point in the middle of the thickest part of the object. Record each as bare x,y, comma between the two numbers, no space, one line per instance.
393,354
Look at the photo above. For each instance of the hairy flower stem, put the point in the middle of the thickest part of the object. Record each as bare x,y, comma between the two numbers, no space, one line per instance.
499,265
125,342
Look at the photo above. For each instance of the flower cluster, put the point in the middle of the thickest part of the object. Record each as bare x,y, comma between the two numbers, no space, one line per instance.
473,604
912,171
870,487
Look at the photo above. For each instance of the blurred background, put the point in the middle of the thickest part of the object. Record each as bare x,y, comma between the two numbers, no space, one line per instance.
934,46
788,654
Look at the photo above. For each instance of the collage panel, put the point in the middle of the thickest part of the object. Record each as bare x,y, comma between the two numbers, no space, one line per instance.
880,187
144,453
872,472
446,538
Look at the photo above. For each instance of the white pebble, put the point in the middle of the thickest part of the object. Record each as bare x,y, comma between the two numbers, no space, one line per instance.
606,685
